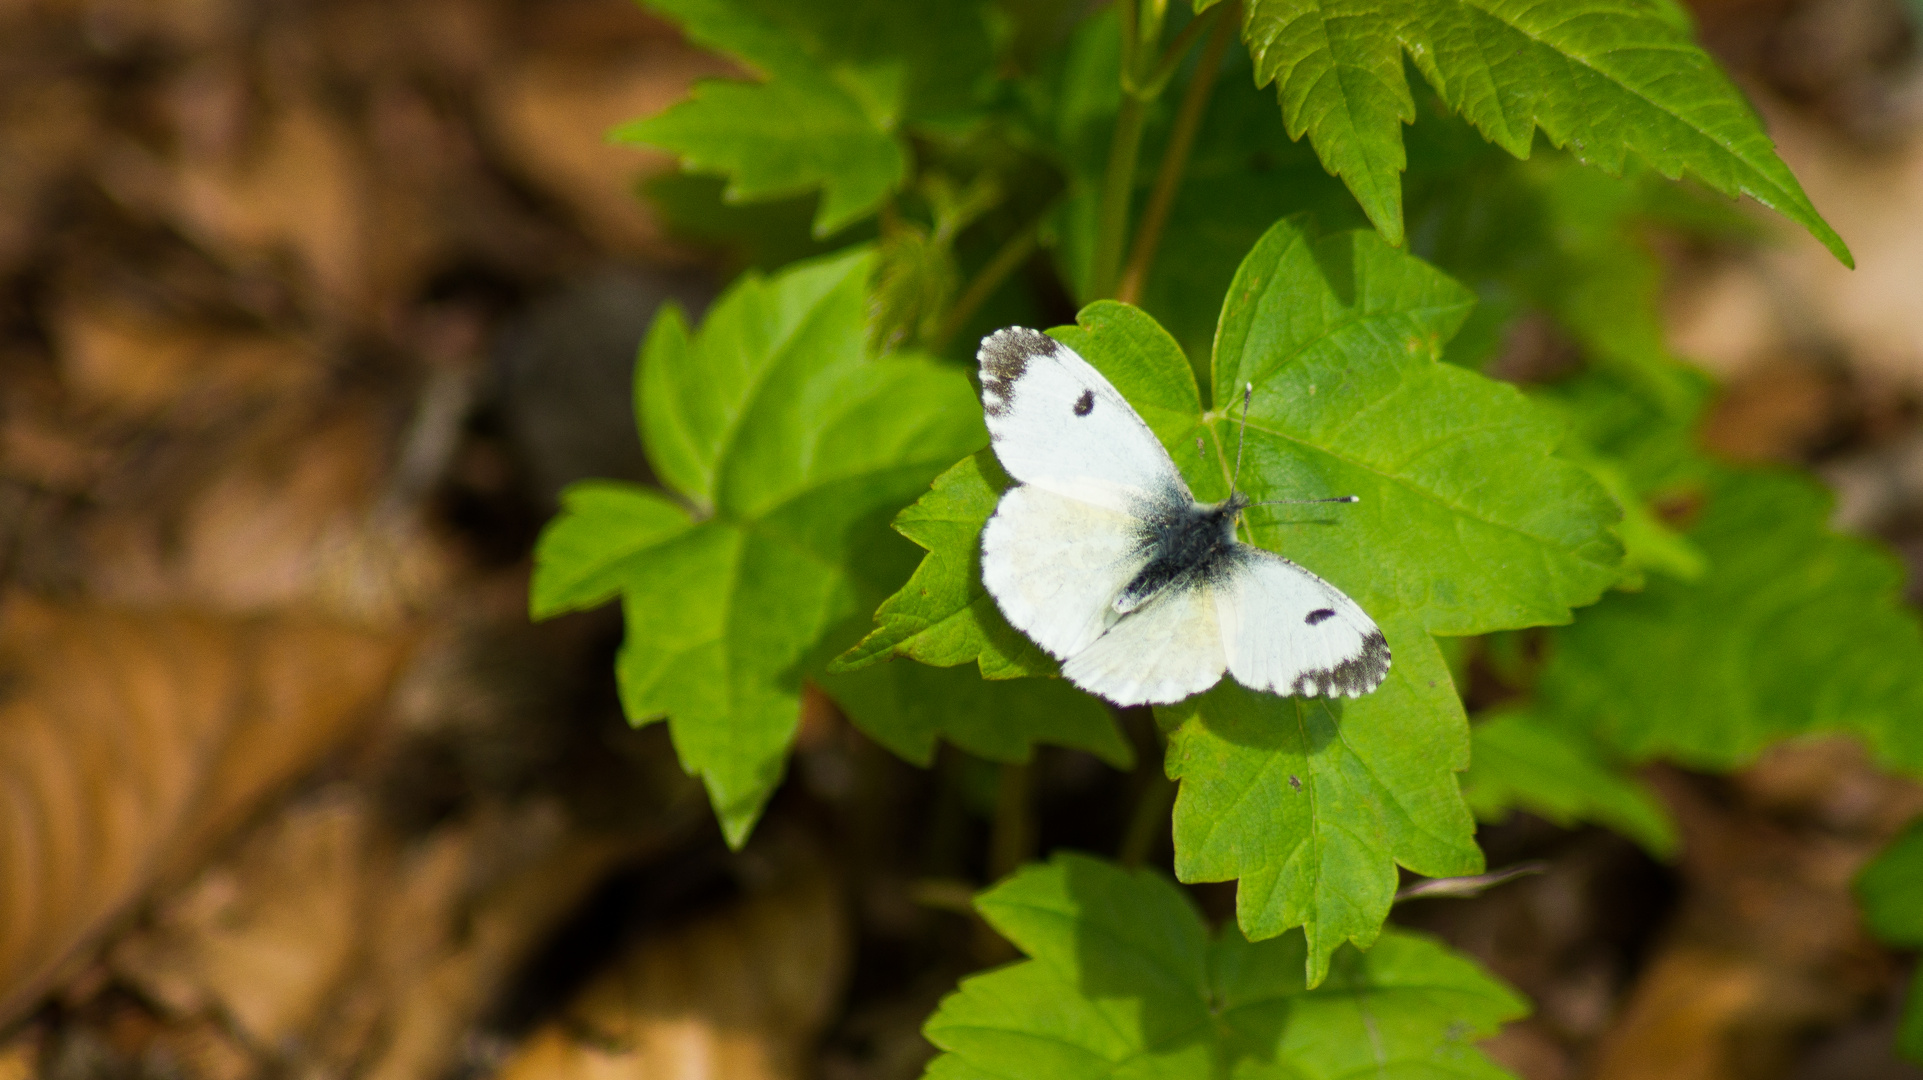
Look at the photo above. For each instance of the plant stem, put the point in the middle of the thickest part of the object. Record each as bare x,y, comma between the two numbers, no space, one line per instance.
1172,56
1011,840
988,279
1168,178
1118,185
1149,823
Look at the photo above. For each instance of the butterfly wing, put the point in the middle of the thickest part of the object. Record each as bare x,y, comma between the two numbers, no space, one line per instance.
1158,654
1287,631
1059,425
1068,536
1055,564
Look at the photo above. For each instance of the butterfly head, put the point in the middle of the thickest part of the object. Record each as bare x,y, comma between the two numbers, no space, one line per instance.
1226,515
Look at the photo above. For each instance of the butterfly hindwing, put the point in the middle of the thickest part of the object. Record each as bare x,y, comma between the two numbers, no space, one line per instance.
1054,565
1160,653
1289,632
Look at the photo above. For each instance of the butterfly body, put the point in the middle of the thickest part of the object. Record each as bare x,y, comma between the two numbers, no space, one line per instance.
1101,554
1183,544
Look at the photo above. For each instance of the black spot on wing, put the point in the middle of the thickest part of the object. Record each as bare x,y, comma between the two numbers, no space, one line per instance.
1004,357
1085,404
1318,615
1353,677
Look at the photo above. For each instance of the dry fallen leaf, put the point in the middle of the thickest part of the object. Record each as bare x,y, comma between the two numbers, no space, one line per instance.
264,937
1683,1020
436,985
740,995
331,946
1773,412
554,111
19,1056
301,516
1768,945
46,124
116,356
129,741
288,188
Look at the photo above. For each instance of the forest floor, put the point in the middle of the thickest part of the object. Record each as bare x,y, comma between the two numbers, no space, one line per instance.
308,310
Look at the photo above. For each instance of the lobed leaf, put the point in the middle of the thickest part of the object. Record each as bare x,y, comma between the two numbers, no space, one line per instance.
1603,78
839,80
1123,979
1313,803
795,446
1518,762
1598,77
1468,522
944,616
1791,629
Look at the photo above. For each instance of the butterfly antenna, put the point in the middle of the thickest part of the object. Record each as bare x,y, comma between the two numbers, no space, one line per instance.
1305,502
1248,390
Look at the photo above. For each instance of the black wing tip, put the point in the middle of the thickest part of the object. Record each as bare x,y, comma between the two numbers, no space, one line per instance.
1353,677
1004,357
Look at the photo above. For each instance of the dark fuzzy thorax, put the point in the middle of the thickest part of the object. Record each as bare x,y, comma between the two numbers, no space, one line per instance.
1185,542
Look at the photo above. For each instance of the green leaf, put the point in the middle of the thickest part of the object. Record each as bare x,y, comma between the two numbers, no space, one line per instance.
1520,763
759,235
605,533
792,134
1124,980
1891,890
1341,334
906,707
1604,78
1313,803
1550,234
839,81
796,447
1649,544
944,616
1791,630
1468,523
1612,418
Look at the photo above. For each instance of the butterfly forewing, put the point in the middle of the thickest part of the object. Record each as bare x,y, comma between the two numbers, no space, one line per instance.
1058,424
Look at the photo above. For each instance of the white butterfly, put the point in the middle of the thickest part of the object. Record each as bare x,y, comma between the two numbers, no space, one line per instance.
1101,554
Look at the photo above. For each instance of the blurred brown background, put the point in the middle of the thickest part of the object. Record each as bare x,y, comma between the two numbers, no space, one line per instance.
309,307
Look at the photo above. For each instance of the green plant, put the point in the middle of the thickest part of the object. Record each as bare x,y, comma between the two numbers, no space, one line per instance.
925,162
